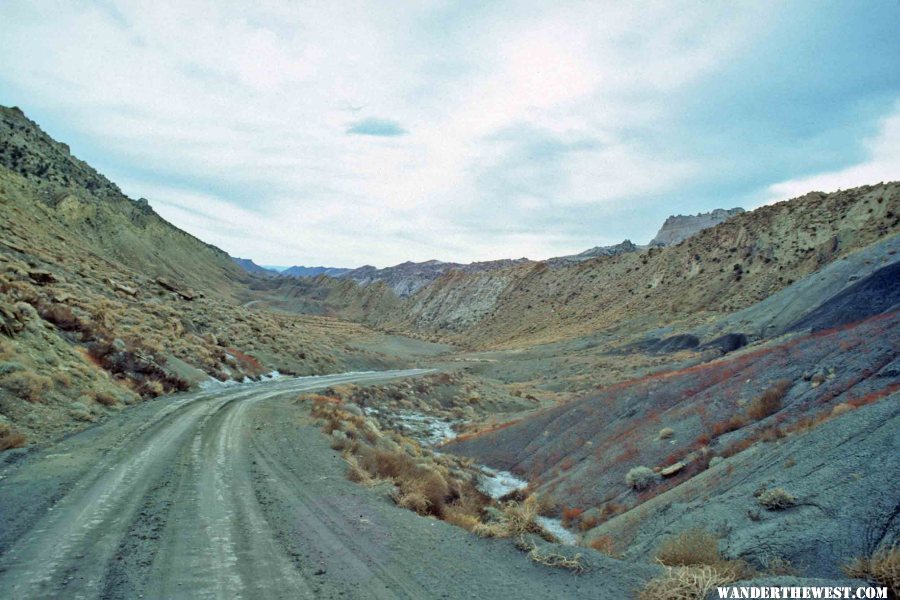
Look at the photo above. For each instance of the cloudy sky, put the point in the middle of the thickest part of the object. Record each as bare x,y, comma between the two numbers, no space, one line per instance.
344,133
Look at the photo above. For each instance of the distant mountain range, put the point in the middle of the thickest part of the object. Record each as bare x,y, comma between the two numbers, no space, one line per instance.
298,271
251,267
409,277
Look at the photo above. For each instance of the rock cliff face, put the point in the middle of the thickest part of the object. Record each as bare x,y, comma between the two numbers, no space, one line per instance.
678,228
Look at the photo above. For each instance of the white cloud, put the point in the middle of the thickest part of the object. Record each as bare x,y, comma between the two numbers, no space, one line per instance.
232,118
882,164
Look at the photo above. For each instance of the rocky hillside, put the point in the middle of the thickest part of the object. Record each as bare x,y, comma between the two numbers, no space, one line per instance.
719,270
678,228
624,291
103,303
409,277
762,448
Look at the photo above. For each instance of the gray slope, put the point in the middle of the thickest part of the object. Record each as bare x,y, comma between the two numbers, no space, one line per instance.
844,474
779,312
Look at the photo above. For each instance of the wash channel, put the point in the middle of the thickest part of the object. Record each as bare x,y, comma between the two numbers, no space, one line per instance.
433,431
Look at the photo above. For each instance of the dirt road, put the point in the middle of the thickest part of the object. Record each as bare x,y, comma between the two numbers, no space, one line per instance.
232,494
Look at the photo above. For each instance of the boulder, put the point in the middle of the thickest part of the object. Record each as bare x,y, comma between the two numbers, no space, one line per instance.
672,469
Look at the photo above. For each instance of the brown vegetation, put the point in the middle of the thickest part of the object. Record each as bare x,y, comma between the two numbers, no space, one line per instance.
685,583
769,402
429,484
10,437
882,568
695,567
27,385
693,547
605,544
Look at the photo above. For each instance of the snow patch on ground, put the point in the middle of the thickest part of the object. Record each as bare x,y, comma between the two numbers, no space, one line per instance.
425,429
214,384
497,484
555,527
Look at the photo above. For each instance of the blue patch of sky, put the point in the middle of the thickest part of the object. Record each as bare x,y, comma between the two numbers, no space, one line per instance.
373,126
801,101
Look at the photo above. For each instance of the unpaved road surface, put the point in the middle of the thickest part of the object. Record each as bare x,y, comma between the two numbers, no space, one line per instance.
232,493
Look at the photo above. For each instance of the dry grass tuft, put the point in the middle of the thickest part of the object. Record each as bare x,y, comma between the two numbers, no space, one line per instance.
356,473
692,547
412,500
882,568
26,384
461,519
685,583
700,548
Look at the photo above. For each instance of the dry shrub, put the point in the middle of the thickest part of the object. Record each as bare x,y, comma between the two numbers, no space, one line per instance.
412,500
666,433
685,583
490,530
27,385
518,519
605,545
339,440
691,547
105,399
732,424
571,514
589,522
776,499
388,464
882,568
356,473
62,379
428,485
549,558
641,478
610,510
769,402
62,316
322,406
10,437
